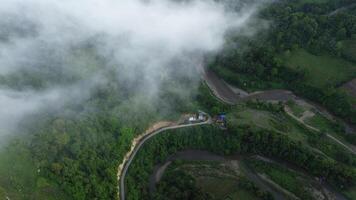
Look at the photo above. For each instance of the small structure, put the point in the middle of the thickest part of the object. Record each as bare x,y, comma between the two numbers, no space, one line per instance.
221,117
202,116
192,119
198,117
221,120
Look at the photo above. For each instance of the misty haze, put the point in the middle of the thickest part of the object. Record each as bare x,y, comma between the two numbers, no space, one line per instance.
55,52
177,99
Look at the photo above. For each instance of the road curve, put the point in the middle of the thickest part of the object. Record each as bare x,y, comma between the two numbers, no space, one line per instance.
219,87
224,93
121,188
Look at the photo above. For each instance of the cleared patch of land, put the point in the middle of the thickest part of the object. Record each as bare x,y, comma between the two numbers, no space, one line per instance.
320,70
278,122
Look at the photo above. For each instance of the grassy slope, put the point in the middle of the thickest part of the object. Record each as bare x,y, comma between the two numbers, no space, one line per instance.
20,179
296,109
268,120
320,70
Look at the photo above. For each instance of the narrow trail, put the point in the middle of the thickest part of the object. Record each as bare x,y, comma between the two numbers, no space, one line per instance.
341,143
290,113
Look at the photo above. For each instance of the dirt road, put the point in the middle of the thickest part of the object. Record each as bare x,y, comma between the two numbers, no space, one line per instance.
220,89
225,93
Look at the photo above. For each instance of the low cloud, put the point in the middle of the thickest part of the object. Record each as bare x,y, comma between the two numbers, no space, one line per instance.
55,51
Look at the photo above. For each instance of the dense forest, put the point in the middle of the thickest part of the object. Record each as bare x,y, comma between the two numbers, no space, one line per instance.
81,154
76,150
73,151
178,184
240,140
294,25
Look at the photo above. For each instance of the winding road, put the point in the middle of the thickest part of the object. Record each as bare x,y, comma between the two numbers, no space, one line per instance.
219,88
224,93
138,146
